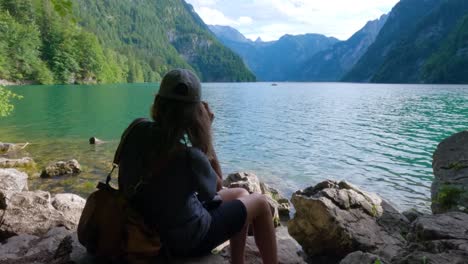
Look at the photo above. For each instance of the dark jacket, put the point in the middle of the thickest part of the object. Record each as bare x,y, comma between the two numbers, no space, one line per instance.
172,191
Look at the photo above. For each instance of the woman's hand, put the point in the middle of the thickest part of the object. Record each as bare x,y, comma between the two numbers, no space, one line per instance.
208,111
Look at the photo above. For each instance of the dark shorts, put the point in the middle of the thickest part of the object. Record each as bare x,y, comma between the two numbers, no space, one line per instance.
227,220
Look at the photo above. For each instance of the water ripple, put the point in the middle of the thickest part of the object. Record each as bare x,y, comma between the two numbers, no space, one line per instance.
294,135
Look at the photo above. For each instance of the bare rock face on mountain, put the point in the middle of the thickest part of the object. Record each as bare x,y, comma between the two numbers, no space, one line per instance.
449,190
337,218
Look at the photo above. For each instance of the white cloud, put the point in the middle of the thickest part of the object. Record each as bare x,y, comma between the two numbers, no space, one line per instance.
213,16
245,20
270,19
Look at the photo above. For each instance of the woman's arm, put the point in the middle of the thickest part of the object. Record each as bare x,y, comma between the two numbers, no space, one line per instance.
205,177
219,174
213,158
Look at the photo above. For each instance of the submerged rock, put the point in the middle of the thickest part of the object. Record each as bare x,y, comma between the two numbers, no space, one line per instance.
95,141
60,168
17,163
449,190
337,218
8,147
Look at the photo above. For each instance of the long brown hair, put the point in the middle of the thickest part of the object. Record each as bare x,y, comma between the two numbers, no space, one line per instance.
177,119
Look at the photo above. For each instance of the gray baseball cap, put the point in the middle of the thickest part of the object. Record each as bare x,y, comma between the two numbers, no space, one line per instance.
181,85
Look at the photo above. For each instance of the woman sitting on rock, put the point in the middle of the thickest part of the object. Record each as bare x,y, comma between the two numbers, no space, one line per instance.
170,172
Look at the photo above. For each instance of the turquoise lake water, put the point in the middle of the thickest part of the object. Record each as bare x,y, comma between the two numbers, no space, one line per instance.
379,137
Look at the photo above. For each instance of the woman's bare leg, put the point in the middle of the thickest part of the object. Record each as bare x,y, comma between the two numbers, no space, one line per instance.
238,241
259,214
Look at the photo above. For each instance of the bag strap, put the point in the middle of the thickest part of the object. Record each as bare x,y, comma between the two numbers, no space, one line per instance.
123,139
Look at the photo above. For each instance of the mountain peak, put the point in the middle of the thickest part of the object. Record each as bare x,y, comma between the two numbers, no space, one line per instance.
228,33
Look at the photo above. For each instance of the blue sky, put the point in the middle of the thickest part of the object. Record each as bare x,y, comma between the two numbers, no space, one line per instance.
270,19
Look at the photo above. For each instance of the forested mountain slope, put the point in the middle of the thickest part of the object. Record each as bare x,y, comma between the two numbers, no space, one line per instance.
405,62
39,41
450,63
401,22
160,34
420,42
103,41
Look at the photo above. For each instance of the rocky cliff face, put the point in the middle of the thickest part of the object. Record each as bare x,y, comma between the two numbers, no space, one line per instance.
401,22
228,33
333,63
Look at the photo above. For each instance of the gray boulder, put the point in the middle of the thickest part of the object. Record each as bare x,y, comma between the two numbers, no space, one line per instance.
71,205
449,189
452,225
31,213
61,168
252,184
337,218
248,181
360,257
17,163
289,251
436,251
12,181
282,203
58,246
412,214
441,238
